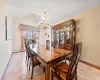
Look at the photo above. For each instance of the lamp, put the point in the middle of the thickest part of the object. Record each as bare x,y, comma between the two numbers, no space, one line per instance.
44,22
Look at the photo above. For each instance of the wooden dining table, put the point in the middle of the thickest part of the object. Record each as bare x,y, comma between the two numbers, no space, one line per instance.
48,57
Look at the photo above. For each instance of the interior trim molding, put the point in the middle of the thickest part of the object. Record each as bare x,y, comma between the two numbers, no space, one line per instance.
6,67
89,64
17,51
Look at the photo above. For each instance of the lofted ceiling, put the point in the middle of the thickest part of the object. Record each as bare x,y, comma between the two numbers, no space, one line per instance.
57,10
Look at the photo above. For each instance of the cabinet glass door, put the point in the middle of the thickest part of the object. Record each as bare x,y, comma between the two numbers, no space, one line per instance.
56,39
61,42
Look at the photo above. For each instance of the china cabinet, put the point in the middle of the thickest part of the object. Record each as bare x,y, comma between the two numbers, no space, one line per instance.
64,34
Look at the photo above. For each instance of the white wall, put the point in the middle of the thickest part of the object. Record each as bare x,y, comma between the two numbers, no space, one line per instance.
48,36
45,34
28,20
1,4
42,36
5,46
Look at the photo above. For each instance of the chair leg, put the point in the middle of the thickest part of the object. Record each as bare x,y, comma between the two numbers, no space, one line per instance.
44,69
26,59
27,62
51,76
39,65
29,65
65,61
76,77
32,71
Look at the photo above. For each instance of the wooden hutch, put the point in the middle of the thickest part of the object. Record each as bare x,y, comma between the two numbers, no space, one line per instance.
64,34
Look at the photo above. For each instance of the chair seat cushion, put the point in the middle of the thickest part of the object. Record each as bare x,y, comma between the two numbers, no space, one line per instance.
35,60
63,66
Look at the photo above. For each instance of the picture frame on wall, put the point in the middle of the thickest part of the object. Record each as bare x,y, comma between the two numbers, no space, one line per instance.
8,35
48,44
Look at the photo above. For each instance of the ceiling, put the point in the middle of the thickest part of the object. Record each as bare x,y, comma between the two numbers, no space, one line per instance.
57,10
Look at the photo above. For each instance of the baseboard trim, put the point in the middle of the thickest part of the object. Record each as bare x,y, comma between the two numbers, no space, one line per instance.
89,64
17,51
6,67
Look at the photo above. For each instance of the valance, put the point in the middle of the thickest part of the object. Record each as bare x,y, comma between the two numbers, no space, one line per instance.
29,28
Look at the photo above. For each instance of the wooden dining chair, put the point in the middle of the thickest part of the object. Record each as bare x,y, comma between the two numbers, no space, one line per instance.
68,58
27,54
33,60
26,49
63,71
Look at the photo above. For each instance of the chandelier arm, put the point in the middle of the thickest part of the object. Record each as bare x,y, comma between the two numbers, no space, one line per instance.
44,22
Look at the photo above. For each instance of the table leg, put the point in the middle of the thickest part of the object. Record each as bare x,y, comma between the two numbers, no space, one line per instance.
47,72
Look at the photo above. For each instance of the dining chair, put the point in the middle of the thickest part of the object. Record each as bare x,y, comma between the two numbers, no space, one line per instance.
63,71
33,60
68,58
27,55
25,48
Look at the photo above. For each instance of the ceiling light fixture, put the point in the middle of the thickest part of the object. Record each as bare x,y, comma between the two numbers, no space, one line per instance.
44,22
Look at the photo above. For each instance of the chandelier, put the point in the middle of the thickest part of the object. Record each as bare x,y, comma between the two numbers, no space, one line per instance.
44,22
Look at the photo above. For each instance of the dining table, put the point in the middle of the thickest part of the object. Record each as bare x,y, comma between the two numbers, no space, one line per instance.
48,57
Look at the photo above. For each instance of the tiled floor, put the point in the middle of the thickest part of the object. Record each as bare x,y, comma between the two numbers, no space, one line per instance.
17,70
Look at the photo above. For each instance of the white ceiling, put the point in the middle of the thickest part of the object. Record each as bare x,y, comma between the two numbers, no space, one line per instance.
57,10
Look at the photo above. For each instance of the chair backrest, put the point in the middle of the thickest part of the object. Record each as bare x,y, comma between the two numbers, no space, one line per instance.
31,54
28,50
26,45
72,70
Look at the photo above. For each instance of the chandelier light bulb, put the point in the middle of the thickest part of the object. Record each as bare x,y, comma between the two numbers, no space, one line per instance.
44,23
